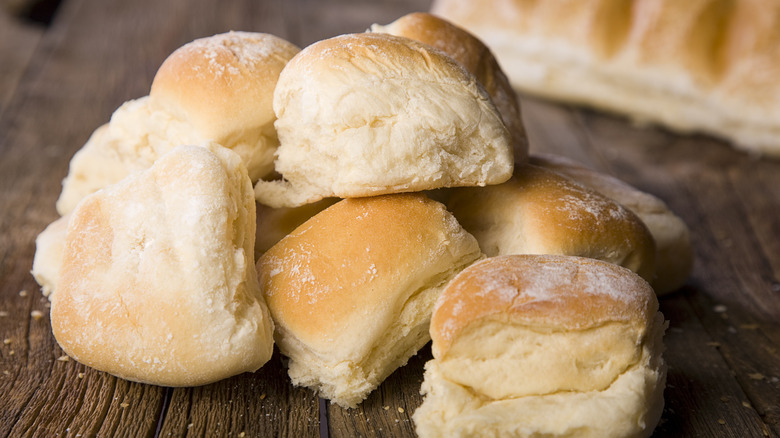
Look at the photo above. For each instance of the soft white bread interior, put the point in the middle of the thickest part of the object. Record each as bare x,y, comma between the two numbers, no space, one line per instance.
158,282
539,211
368,114
48,255
352,289
475,56
699,65
218,88
674,250
539,345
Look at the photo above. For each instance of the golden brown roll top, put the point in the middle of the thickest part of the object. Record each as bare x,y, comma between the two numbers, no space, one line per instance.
674,250
539,211
352,289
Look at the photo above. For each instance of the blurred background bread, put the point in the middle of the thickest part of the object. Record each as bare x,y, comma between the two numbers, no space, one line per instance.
692,66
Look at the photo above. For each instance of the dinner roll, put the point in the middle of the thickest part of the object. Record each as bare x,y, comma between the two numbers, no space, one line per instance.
674,251
158,283
48,255
218,88
352,289
539,211
471,53
371,113
543,345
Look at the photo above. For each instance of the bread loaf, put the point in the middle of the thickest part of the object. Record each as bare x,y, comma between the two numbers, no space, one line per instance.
158,283
352,289
368,114
701,65
539,345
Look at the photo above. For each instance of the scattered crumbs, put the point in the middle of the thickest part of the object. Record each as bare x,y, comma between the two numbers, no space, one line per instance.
23,293
6,341
401,410
3,313
749,326
11,353
721,421
63,358
242,435
731,329
720,308
713,344
386,408
81,375
397,420
36,315
189,426
47,305
124,404
6,372
746,404
774,379
262,396
756,376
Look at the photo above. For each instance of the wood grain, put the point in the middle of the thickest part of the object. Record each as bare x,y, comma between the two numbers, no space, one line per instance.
57,84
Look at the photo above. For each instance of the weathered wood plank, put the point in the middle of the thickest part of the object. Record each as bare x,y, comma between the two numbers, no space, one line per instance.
18,41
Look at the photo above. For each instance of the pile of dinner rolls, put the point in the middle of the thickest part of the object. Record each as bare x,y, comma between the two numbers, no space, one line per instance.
349,203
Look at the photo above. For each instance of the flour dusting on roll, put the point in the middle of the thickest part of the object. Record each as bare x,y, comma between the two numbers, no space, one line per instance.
157,282
539,211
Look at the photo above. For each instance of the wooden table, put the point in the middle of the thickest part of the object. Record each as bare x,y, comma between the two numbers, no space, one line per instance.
60,81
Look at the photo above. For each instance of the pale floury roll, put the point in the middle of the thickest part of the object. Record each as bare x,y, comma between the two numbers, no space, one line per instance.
471,53
540,345
158,282
368,114
352,289
218,88
539,211
674,250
